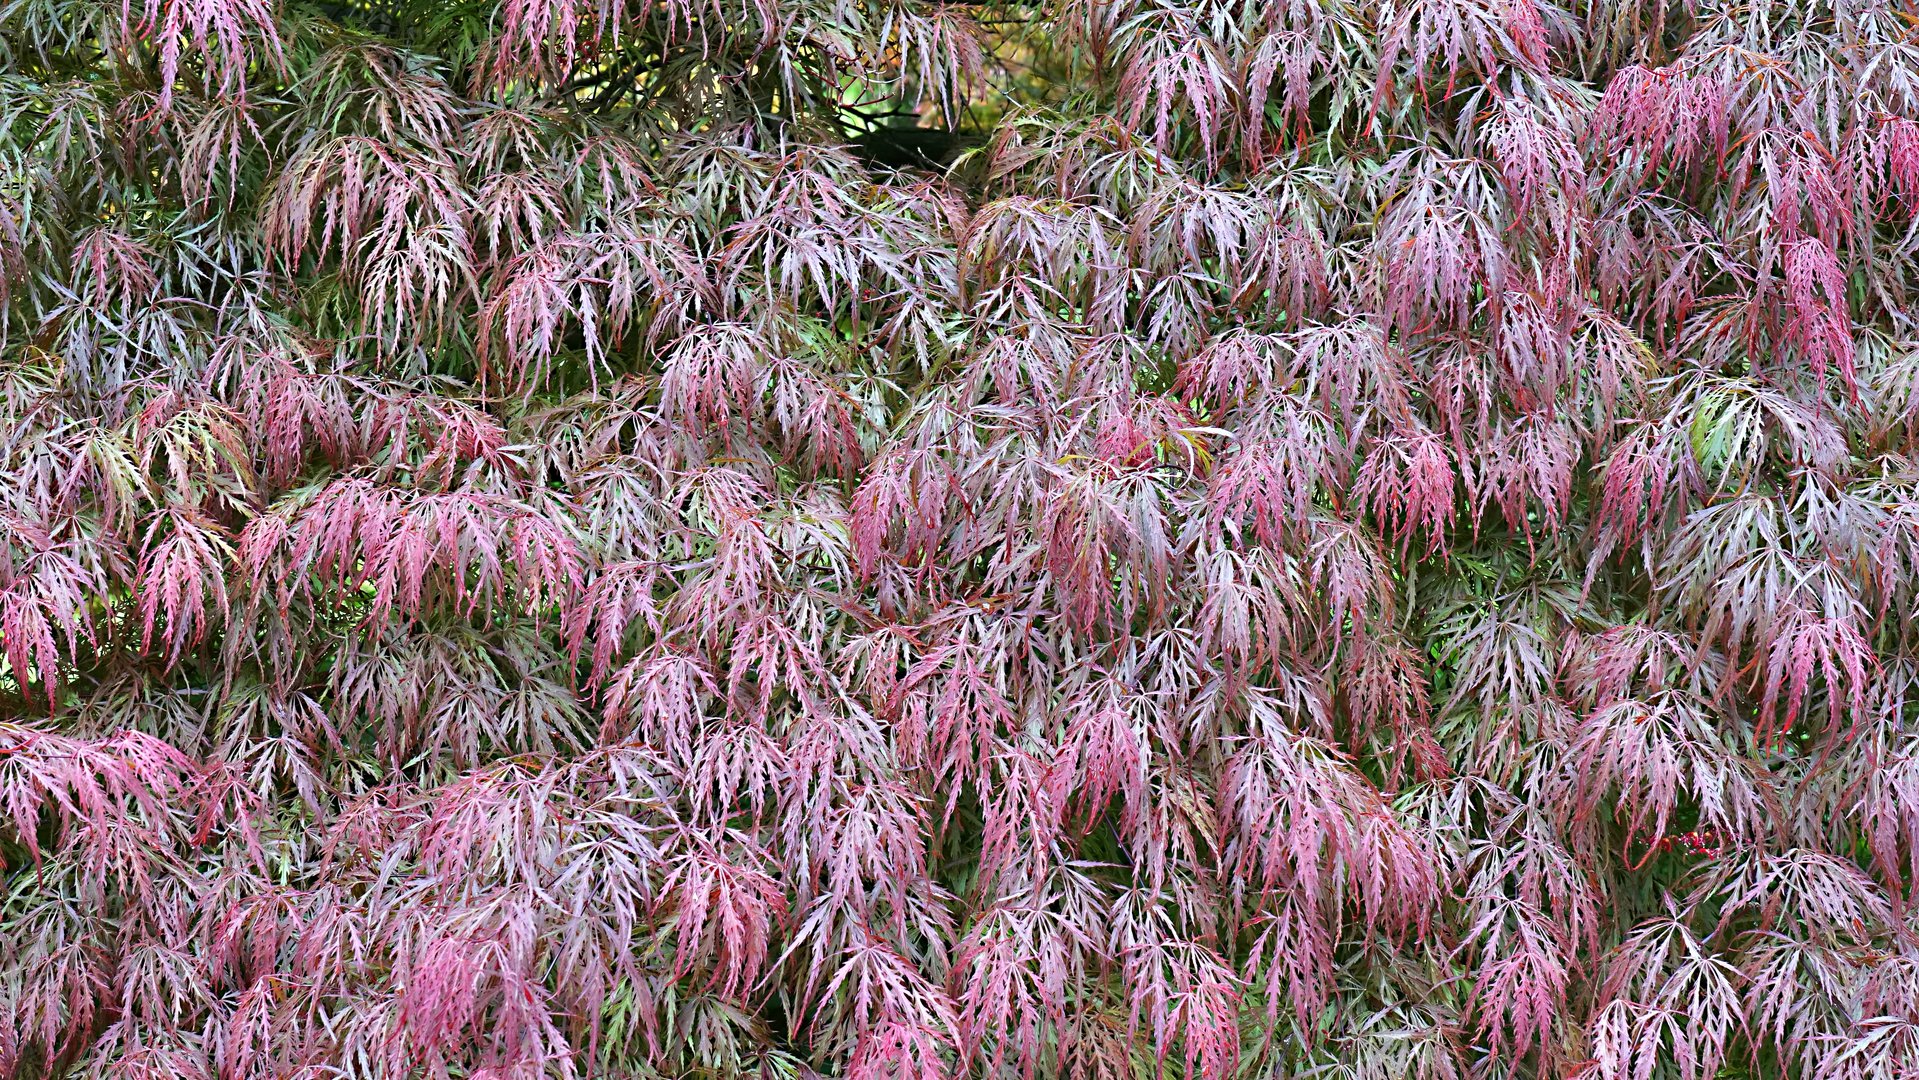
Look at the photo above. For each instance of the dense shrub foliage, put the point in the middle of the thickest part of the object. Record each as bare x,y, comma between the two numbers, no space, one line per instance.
898,540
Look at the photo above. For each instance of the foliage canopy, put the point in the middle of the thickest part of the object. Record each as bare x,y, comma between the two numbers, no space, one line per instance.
893,540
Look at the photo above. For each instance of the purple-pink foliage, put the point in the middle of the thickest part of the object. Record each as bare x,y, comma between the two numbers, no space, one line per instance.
899,540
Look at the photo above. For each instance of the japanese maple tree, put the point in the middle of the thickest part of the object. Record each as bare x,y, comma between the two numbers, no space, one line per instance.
901,540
